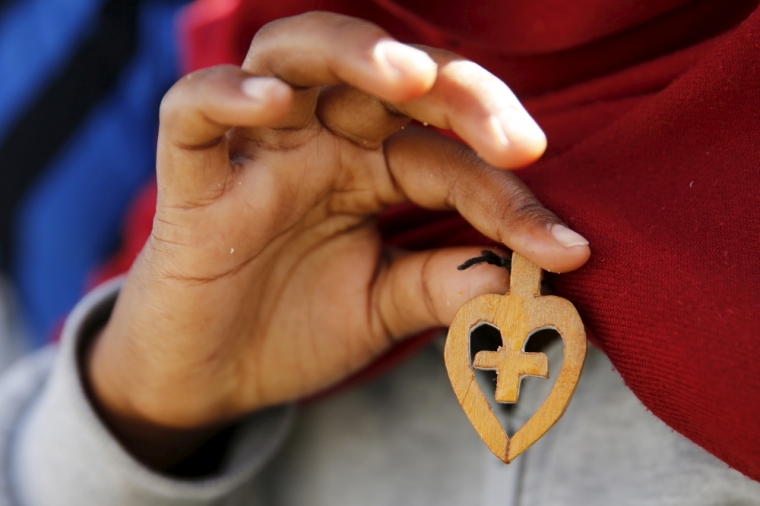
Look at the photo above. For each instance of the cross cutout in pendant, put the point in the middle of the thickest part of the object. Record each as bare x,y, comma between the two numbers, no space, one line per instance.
511,366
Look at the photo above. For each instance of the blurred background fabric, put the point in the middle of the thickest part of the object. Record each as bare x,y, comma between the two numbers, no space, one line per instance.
79,95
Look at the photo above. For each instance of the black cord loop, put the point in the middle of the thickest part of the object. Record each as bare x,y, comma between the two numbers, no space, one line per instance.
487,257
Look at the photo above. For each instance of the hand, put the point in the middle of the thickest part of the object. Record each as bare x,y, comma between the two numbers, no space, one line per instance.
265,279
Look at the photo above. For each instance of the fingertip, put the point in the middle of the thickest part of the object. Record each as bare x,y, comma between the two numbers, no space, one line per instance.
267,93
517,138
201,107
261,89
559,250
524,152
576,247
409,72
566,237
570,260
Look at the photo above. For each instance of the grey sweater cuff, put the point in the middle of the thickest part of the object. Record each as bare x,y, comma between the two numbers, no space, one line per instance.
58,452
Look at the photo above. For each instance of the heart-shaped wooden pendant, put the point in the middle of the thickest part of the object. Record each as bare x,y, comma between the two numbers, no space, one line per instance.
519,313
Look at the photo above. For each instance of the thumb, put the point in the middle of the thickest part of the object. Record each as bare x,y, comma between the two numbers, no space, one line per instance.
416,291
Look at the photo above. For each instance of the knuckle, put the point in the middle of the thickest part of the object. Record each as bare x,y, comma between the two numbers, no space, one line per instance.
329,26
190,92
320,17
525,209
173,104
169,107
523,205
519,207
298,24
271,29
337,25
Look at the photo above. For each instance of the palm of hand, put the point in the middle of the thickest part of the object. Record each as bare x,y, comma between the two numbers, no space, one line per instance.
289,238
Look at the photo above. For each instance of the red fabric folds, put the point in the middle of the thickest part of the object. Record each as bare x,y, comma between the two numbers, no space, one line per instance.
668,195
653,121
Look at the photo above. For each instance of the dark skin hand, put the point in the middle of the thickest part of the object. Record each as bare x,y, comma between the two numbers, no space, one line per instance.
265,279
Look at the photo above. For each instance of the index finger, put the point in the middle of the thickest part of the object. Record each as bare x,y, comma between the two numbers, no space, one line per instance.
430,85
481,109
465,98
322,48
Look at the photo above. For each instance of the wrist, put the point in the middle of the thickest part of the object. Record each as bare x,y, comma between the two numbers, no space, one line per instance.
129,404
145,366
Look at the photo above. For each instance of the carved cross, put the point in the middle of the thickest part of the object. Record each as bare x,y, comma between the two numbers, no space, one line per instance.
511,366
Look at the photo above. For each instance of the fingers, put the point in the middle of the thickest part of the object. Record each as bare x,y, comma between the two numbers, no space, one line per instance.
465,98
481,109
195,115
438,173
358,116
417,291
430,85
320,48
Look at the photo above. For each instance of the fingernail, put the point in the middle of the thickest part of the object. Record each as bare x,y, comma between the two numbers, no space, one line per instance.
498,131
259,88
567,237
518,125
399,58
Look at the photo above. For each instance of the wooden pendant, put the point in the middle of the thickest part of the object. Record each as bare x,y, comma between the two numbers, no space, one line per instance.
518,314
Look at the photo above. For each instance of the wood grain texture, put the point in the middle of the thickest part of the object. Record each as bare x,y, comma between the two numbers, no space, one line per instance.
517,315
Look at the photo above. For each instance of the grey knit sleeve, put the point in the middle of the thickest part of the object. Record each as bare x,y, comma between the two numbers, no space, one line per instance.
56,451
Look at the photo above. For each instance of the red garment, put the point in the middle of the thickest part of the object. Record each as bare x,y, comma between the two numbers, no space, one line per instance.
652,112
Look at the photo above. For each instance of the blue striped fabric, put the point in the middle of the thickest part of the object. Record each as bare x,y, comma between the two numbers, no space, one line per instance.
36,39
68,221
